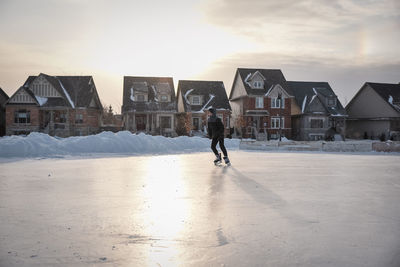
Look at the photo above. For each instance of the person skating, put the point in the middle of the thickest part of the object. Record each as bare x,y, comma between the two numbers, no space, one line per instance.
215,129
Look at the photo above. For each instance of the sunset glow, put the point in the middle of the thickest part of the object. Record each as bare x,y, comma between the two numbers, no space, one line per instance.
199,39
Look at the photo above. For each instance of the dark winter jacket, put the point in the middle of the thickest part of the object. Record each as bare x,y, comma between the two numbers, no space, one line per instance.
215,127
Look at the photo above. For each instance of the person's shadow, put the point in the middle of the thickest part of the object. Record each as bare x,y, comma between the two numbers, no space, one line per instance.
266,197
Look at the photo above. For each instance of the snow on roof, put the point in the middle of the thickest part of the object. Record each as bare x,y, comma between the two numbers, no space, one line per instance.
304,104
124,142
155,93
209,100
186,95
246,80
267,93
66,93
41,100
132,97
312,98
390,100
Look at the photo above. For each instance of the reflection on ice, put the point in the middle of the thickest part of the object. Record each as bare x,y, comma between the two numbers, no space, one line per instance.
165,208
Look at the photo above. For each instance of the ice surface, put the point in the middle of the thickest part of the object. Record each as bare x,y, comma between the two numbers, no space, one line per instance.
267,209
124,142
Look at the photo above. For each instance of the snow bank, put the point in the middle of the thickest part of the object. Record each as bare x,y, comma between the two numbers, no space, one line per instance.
43,145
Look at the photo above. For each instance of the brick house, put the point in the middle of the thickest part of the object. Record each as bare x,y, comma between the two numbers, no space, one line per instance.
56,105
374,112
149,105
317,113
194,99
3,100
261,104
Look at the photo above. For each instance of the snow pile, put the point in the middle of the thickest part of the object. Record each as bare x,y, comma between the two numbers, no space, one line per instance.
43,145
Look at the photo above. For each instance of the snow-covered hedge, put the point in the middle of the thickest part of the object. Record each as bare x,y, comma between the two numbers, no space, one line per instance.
43,145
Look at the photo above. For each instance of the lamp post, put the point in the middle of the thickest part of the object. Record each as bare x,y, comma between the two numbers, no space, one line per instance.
280,120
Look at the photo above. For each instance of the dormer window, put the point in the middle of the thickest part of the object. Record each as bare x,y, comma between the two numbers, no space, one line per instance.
196,100
258,84
331,102
164,98
140,98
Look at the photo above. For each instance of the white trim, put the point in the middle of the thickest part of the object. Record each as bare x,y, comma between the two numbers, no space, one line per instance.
259,102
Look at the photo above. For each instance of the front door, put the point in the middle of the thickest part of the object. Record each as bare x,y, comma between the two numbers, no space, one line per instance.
196,122
141,122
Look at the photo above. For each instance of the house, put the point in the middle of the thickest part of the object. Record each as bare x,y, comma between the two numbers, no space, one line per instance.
374,112
261,104
317,113
194,99
149,105
57,105
3,100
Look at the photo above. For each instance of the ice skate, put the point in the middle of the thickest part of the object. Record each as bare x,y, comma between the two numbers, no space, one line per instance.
227,161
218,160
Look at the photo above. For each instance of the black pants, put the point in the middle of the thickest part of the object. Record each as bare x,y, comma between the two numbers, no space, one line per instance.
219,140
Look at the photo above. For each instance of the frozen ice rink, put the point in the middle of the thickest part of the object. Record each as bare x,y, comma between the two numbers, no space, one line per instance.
267,209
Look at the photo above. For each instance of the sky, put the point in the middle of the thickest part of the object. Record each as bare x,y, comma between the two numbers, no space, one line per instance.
343,42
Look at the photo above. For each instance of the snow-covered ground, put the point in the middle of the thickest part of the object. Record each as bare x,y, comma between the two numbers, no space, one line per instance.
267,209
43,145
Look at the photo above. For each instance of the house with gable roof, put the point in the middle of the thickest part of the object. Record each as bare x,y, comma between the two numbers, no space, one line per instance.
317,112
194,98
261,104
3,99
374,112
57,105
149,105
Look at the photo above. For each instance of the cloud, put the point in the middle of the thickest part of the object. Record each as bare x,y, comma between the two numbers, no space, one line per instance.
309,26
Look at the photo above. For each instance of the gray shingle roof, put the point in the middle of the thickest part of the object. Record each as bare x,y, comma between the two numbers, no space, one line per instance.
305,92
3,99
79,89
272,77
213,93
389,92
151,86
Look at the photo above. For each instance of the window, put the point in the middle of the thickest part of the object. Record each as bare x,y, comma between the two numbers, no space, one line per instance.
258,84
140,98
331,102
276,102
316,137
195,100
196,122
259,102
63,118
317,123
276,122
22,116
79,118
227,122
165,122
164,98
